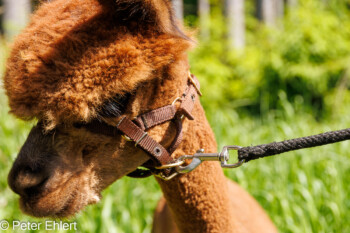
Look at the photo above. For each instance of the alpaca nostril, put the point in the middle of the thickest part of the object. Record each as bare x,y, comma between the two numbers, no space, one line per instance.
27,181
30,178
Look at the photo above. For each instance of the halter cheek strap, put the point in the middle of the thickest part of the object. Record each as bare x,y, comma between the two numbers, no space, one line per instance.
161,163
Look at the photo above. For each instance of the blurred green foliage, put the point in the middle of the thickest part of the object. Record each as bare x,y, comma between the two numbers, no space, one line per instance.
270,91
305,60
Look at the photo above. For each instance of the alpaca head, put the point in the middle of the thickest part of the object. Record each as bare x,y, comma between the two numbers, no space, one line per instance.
83,62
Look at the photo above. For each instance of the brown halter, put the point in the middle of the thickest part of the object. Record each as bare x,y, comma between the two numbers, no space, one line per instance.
161,163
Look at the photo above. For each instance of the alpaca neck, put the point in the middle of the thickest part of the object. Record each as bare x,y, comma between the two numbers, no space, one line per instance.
199,200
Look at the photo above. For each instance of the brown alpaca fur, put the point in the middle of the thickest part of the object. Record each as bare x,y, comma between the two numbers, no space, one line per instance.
74,56
77,54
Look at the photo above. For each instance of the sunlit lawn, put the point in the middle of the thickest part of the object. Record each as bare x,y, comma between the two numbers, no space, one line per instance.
303,191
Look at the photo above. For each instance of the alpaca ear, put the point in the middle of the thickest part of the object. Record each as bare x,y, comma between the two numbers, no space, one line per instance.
157,14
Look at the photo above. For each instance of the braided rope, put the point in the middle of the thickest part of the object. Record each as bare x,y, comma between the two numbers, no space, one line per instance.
274,148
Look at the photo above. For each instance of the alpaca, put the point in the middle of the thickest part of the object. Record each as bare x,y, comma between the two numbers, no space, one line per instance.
92,62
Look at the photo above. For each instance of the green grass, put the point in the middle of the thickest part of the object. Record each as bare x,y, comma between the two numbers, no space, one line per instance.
303,191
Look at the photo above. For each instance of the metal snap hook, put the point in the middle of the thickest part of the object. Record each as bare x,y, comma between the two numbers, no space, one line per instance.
199,157
190,167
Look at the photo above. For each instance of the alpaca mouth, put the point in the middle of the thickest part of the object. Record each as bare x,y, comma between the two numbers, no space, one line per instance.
67,208
40,207
60,202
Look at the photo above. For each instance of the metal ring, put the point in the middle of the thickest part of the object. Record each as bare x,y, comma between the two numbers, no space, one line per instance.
164,177
178,163
194,83
175,100
126,138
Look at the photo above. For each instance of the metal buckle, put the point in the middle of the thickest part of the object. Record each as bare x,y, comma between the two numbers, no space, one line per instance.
194,83
127,138
123,135
142,137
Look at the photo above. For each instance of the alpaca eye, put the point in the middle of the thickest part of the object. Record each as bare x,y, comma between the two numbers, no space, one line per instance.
115,106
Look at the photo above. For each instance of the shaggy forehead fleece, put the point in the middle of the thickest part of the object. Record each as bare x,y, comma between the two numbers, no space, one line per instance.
74,55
